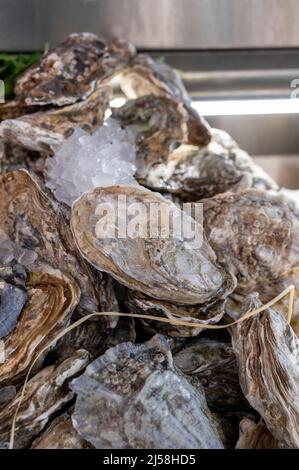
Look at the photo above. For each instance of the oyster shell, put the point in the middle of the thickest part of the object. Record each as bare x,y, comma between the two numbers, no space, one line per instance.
267,351
208,313
212,363
158,124
35,222
255,436
72,70
146,76
194,173
43,131
132,397
12,300
166,268
45,394
52,297
60,435
255,233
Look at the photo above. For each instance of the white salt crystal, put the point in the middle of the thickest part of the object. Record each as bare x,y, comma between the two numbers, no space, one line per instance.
84,161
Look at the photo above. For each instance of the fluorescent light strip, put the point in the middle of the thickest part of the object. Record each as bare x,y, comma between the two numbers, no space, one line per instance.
246,107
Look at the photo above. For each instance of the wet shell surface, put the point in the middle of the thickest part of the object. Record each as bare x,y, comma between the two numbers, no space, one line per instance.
73,70
132,397
167,268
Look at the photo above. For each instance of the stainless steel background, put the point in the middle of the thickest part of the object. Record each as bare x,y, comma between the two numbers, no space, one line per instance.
155,24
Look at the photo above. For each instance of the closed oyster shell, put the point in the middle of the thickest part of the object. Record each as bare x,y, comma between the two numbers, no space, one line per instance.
45,394
146,76
72,70
35,222
208,313
166,268
213,364
12,300
158,124
267,351
52,297
194,173
132,397
255,233
44,131
255,436
60,435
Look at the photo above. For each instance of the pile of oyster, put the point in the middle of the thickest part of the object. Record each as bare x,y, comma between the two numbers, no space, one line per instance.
125,382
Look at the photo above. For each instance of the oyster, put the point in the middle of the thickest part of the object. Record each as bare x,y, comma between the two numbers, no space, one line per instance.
52,297
45,394
158,124
44,131
255,234
73,70
255,436
208,313
167,268
132,397
146,76
267,351
194,173
34,222
12,300
60,435
212,363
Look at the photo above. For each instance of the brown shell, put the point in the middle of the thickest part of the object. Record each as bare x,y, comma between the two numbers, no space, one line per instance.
72,70
146,76
132,397
255,436
194,173
267,351
165,268
158,124
60,435
52,297
255,233
208,313
45,394
43,131
33,221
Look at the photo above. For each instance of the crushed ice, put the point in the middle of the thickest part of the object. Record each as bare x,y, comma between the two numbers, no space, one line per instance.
84,161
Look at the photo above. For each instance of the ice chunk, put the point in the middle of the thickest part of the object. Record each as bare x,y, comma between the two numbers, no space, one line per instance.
84,161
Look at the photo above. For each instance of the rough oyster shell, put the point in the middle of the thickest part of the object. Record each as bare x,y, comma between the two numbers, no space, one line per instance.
73,70
131,397
255,436
255,233
208,313
60,435
212,363
35,222
146,76
43,131
52,297
166,268
158,124
45,394
267,351
194,173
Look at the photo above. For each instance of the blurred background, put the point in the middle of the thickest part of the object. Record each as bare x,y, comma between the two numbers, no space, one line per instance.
239,59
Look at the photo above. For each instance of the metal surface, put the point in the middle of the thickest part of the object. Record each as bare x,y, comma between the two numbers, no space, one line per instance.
152,24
